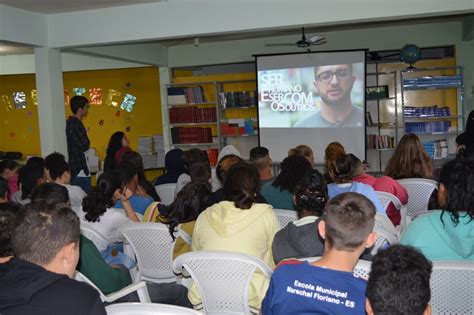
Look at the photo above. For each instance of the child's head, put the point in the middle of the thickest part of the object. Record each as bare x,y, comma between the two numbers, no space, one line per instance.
51,193
30,177
224,165
51,161
311,195
348,224
7,215
3,190
341,168
60,172
8,168
399,282
241,185
193,156
200,172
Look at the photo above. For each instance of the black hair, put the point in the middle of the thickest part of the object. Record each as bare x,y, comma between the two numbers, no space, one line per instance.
101,197
57,169
135,159
51,193
311,194
128,170
349,220
40,231
3,187
115,144
192,156
52,160
457,176
241,185
8,212
28,177
7,164
224,164
293,169
188,204
200,172
35,162
258,153
78,101
341,168
399,281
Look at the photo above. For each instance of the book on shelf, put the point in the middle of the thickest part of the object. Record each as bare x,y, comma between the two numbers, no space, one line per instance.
212,154
426,111
436,149
380,142
192,114
184,95
368,118
443,81
428,127
238,99
187,135
239,126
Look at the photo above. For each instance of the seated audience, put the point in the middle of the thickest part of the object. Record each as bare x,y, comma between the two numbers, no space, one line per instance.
9,171
118,145
279,193
100,214
340,170
300,238
136,159
139,199
333,150
3,190
260,158
45,245
311,288
238,224
227,150
409,160
447,234
8,213
174,167
60,173
52,194
383,183
303,150
190,158
399,282
29,177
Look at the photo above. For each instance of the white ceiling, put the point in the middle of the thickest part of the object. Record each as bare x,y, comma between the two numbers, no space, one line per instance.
58,6
7,48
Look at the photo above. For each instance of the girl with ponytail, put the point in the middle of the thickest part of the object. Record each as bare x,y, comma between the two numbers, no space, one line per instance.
238,224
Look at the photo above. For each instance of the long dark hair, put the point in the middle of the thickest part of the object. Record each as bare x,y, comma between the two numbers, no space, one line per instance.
293,168
241,185
189,203
311,194
457,177
101,197
135,159
115,144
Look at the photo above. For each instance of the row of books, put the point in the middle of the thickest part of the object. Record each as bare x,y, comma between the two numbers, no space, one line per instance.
185,95
426,111
240,126
212,155
238,99
152,150
380,142
437,149
186,135
192,114
444,81
428,127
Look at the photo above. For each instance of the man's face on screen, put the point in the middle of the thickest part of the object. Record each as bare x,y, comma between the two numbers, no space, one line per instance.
334,83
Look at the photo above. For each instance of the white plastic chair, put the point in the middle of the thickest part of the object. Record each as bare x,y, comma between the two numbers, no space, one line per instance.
361,269
222,278
419,192
386,199
147,309
98,239
166,193
140,287
285,216
153,249
452,289
387,234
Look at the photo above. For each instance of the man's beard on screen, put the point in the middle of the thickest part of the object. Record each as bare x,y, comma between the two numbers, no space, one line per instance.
341,101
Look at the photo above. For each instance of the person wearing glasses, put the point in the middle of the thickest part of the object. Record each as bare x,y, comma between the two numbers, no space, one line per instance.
334,84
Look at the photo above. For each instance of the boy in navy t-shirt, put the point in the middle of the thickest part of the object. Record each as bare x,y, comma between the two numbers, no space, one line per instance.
327,286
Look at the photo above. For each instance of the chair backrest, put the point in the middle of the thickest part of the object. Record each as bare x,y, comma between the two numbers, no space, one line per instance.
166,193
452,289
387,234
419,192
285,216
361,269
223,278
98,239
386,199
147,309
153,248
80,277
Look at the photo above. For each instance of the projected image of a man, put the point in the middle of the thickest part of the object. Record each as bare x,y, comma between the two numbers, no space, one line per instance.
334,84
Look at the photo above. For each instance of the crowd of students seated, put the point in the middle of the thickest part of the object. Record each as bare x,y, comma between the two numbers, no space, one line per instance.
231,208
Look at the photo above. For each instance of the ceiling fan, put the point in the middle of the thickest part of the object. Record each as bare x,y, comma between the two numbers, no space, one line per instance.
303,42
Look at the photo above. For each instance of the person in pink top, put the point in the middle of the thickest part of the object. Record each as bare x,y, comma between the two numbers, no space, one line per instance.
9,171
384,183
